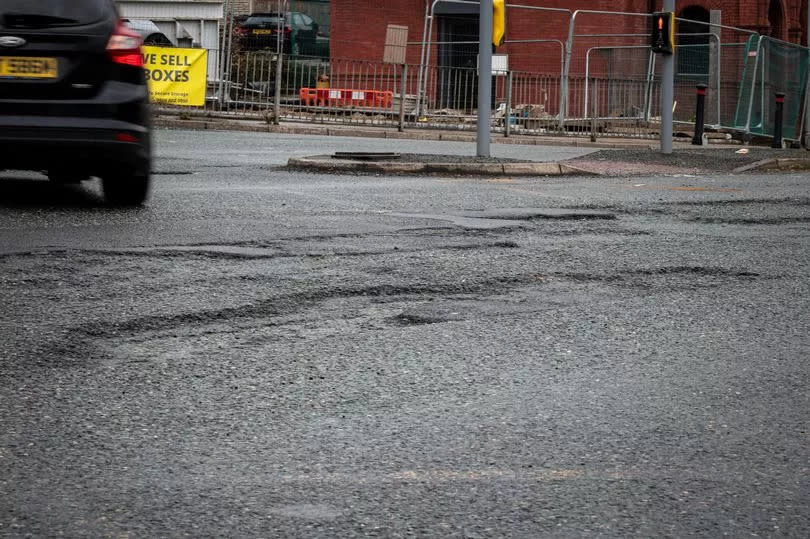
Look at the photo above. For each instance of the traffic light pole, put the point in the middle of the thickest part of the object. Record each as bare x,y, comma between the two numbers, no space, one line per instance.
667,92
807,90
484,76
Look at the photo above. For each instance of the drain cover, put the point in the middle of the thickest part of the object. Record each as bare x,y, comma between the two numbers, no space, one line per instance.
367,156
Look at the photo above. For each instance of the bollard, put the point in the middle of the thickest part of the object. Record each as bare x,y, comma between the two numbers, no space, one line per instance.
402,91
700,115
780,111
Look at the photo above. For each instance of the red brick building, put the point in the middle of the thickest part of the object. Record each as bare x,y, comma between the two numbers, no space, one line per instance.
615,46
358,26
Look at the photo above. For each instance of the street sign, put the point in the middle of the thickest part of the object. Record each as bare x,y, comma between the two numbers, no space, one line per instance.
396,43
500,64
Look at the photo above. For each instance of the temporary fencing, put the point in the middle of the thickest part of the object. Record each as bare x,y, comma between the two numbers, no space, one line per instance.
604,85
772,66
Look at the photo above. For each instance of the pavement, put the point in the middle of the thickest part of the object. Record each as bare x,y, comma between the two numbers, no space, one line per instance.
613,157
446,164
211,121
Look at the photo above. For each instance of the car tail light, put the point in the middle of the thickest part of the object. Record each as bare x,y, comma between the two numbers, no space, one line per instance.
124,46
126,137
287,29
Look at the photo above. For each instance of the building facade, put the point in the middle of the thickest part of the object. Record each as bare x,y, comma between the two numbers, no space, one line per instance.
186,23
317,9
359,26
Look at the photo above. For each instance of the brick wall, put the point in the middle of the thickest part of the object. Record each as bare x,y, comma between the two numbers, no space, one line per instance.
241,7
358,26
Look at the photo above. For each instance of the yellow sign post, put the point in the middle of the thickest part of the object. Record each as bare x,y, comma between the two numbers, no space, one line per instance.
176,76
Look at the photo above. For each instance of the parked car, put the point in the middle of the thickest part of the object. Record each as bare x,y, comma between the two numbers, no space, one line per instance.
261,31
73,95
149,32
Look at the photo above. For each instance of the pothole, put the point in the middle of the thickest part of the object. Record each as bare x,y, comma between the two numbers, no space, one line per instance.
428,314
530,214
693,275
800,201
510,217
750,221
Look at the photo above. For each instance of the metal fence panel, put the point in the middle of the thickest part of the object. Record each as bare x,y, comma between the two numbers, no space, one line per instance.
612,87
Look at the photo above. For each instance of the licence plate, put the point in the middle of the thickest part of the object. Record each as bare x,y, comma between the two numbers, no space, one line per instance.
262,32
28,67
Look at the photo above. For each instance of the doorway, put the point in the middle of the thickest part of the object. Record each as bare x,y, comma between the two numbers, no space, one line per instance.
458,62
694,42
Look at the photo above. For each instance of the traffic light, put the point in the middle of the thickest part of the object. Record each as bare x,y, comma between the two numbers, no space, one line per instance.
498,23
663,32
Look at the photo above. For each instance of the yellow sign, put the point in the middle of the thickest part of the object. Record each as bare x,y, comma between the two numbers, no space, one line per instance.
176,76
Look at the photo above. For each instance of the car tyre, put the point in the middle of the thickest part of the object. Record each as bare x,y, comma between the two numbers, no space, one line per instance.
62,177
126,189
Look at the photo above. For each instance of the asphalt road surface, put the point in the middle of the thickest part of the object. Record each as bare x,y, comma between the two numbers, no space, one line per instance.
260,353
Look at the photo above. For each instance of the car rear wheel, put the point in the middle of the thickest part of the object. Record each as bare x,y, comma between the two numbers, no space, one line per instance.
126,189
63,177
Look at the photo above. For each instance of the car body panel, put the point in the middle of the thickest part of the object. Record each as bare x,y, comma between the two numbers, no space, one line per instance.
91,114
260,31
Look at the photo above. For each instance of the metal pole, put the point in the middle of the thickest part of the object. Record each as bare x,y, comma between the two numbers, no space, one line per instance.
713,95
753,86
222,52
484,76
595,113
277,95
508,116
648,89
426,76
700,114
587,80
569,47
422,61
778,122
807,89
403,89
229,50
667,92
279,62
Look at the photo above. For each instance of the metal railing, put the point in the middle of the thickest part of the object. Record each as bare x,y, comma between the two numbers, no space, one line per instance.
606,85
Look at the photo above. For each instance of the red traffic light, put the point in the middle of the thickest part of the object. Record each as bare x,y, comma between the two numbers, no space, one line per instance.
662,37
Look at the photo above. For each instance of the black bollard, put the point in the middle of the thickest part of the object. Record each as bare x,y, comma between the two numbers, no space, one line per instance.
700,114
780,111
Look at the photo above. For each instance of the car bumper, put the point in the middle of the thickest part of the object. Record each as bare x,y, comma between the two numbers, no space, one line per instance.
91,146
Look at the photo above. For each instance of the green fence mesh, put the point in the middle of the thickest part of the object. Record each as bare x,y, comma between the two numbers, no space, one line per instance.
772,66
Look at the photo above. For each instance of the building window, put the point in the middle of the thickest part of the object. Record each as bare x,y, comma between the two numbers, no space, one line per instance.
776,20
693,41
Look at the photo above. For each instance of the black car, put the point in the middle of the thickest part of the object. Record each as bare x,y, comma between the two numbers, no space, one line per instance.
298,32
73,96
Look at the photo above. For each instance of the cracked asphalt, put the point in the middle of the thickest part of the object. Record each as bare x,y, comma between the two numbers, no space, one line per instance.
265,353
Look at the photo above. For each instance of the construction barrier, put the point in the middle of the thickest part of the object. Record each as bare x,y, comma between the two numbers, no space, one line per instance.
327,97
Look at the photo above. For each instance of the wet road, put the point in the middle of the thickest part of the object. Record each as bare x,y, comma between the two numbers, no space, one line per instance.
265,353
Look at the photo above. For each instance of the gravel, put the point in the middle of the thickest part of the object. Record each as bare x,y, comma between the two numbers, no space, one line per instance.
713,160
